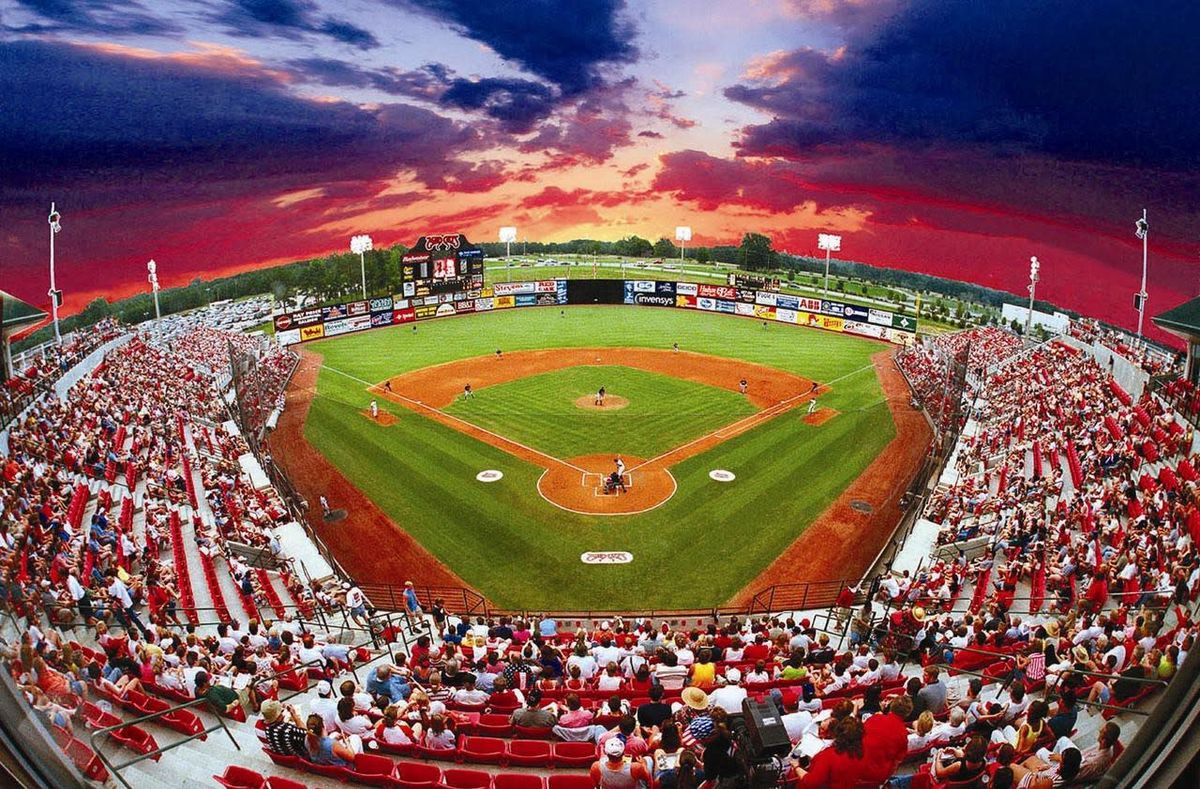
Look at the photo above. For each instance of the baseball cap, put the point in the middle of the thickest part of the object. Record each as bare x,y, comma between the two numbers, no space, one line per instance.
324,688
733,676
614,747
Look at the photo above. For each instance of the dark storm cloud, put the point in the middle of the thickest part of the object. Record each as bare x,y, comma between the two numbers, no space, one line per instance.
290,19
1108,81
142,123
101,17
566,42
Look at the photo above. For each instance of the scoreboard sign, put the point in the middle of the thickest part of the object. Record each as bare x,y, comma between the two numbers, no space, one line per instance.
442,263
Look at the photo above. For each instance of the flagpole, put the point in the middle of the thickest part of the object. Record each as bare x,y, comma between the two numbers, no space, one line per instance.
1145,234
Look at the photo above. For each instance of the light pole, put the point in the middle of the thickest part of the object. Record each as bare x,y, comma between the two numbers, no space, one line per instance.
152,267
1143,232
361,245
507,236
55,220
1034,267
829,243
683,234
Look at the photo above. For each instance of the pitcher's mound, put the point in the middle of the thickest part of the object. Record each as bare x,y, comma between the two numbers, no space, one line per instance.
385,418
820,417
611,403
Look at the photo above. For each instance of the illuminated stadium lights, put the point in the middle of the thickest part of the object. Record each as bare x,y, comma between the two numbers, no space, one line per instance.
683,234
829,243
152,267
507,236
361,245
55,220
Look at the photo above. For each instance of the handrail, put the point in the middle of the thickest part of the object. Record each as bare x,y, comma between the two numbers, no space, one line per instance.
1085,702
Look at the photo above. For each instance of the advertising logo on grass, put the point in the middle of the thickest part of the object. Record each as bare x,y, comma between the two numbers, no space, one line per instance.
606,557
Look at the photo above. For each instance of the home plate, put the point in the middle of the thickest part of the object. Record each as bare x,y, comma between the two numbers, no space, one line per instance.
721,475
490,475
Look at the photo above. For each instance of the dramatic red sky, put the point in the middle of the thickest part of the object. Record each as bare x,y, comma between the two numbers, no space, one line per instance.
952,138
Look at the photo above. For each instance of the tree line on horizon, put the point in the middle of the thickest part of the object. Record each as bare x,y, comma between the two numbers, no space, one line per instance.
336,276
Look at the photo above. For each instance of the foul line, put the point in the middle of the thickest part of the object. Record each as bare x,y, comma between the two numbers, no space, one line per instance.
417,404
744,424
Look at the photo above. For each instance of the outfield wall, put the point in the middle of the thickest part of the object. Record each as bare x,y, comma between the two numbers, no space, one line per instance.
765,305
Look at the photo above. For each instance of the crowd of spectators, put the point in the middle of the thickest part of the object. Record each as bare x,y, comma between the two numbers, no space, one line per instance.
50,363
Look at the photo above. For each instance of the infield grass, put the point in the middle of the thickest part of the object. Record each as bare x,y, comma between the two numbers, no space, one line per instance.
540,411
697,549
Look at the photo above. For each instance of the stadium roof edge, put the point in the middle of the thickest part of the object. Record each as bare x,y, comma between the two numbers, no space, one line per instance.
1183,320
16,314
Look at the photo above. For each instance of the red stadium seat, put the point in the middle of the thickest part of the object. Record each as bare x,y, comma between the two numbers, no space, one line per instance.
416,775
574,754
532,733
372,769
518,781
567,781
465,779
482,750
494,726
529,753
236,777
279,782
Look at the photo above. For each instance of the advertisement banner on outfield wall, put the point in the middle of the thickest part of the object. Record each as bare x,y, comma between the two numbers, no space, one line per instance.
833,308
561,292
295,320
726,306
687,302
381,318
547,299
746,296
880,317
483,305
513,288
786,316
654,300
865,329
686,288
704,303
904,323
288,337
527,300
503,302
643,286
716,291
899,337
355,308
445,310
766,299
382,303
333,312
314,332
855,313
464,306
404,315
335,327
746,310
408,289
546,286
667,288
425,311
764,313
629,294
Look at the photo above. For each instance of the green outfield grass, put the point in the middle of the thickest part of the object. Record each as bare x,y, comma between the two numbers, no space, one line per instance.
697,549
663,412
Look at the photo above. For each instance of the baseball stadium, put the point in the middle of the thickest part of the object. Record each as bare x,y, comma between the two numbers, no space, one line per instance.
411,461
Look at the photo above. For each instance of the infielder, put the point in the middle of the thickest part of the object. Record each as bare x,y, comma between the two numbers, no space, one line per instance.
374,410
742,384
812,405
468,392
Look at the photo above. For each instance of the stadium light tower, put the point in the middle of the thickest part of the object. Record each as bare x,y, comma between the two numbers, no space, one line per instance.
1034,268
507,236
1143,232
361,245
829,243
683,234
55,220
152,267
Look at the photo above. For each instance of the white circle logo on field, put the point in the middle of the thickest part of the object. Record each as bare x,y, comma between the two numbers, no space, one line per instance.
490,475
721,475
606,557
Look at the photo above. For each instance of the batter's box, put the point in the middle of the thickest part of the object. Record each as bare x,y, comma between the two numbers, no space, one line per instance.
596,481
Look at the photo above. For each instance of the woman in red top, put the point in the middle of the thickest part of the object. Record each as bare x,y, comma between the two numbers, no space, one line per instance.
839,765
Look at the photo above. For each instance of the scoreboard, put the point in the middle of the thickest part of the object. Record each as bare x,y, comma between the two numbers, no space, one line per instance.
445,263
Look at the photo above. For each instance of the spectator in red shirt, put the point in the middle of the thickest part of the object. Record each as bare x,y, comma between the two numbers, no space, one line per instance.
1097,592
840,765
885,739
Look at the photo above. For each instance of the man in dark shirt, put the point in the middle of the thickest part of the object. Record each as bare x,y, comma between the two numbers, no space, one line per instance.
284,736
654,712
1128,686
